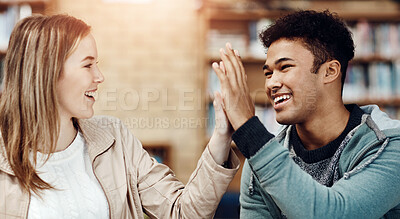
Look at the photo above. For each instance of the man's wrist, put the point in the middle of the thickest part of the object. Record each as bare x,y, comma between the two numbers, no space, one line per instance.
251,136
239,122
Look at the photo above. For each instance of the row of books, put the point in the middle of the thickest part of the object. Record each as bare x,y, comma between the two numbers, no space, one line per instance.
371,39
376,80
218,38
244,40
366,81
392,111
376,39
8,19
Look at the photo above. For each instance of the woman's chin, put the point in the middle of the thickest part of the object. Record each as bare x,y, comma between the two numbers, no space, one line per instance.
86,115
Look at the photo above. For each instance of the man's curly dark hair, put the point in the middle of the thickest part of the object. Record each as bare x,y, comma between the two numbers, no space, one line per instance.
323,33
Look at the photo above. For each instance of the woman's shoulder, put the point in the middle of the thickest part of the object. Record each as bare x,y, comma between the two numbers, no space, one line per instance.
102,121
101,129
102,125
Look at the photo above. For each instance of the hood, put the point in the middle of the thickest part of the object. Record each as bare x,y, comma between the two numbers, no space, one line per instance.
381,119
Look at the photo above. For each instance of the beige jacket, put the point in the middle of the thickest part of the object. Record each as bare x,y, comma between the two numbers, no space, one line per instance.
133,182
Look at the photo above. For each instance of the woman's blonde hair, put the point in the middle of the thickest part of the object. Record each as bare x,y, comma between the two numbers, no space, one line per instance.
29,120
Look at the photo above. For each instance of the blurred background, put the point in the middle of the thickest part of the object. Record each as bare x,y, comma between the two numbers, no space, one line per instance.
156,57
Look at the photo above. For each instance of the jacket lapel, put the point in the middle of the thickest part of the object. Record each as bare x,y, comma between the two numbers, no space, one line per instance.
97,138
4,164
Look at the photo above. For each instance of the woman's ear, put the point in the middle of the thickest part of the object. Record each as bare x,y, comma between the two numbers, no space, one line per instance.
332,71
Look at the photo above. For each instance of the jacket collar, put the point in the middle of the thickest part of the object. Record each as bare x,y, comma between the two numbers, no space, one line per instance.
4,164
381,119
95,132
97,135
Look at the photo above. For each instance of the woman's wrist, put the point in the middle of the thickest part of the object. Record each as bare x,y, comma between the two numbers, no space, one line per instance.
219,147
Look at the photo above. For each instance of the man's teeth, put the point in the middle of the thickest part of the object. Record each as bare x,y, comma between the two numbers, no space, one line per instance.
281,98
90,93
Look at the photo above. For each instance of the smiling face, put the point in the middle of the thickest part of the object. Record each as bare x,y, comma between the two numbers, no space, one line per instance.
79,80
291,87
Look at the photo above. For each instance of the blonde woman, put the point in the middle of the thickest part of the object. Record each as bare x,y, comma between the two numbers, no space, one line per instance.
57,161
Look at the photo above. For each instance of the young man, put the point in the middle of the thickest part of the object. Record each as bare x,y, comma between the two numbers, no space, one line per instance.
331,160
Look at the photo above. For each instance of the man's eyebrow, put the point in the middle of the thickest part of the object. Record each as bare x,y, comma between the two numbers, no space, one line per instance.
88,58
278,61
282,60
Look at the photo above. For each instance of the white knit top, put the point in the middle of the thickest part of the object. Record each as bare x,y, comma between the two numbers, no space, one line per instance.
78,194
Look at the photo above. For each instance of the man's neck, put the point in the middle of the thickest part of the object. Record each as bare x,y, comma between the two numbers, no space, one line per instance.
324,128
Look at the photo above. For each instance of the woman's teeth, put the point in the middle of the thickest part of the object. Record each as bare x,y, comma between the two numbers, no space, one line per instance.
90,93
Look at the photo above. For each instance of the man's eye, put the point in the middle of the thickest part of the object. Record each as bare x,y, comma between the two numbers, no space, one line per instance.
88,66
285,67
268,74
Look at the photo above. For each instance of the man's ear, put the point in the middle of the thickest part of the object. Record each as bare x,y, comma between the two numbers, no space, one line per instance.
332,71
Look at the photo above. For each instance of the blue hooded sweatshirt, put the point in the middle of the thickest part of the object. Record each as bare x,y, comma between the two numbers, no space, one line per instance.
273,186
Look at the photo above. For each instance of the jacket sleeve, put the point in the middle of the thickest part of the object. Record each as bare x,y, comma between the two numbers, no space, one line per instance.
163,196
252,203
370,193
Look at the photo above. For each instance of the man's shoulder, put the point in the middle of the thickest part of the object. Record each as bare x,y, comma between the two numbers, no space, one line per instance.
381,119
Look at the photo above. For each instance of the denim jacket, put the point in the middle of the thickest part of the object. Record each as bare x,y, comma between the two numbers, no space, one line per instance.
272,185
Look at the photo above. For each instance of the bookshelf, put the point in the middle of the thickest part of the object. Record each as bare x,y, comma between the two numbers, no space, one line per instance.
11,11
373,76
160,152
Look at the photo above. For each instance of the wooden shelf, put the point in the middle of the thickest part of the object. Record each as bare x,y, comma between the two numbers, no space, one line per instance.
356,60
37,6
391,101
228,15
214,14
238,15
18,2
245,59
372,58
377,16
348,10
161,152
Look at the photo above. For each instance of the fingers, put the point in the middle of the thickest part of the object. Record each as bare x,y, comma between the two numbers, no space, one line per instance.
222,66
217,101
243,76
235,69
231,71
219,111
233,56
221,120
235,93
220,71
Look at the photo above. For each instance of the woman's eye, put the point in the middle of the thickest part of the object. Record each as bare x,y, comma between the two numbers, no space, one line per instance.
88,66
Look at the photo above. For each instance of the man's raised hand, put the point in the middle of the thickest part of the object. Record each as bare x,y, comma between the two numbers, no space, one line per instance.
237,101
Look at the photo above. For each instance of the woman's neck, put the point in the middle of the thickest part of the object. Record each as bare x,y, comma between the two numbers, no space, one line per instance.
67,134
